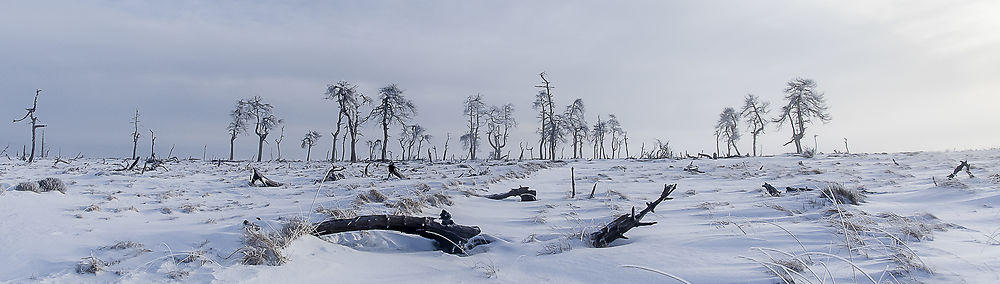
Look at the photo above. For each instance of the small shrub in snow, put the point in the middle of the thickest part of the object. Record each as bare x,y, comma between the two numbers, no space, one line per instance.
52,184
842,194
406,206
263,248
438,200
123,245
27,186
90,265
808,153
92,208
555,248
376,196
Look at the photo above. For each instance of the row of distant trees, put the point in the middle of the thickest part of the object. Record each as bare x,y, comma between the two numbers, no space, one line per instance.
557,125
803,104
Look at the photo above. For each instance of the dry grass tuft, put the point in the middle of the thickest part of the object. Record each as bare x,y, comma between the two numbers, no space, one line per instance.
842,194
27,186
264,248
52,184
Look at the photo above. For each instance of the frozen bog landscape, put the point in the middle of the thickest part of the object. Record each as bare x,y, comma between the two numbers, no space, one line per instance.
185,221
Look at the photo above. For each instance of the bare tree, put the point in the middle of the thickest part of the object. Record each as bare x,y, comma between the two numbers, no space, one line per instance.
475,109
152,144
753,112
263,115
135,132
237,126
551,127
727,130
499,122
408,137
804,104
34,123
576,123
277,142
540,105
392,108
309,140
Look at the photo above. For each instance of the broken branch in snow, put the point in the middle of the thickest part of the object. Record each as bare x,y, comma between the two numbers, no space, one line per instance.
771,190
617,228
264,181
450,237
394,171
333,174
964,164
691,168
525,194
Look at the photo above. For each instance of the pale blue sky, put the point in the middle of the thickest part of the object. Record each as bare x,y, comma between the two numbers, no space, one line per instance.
898,75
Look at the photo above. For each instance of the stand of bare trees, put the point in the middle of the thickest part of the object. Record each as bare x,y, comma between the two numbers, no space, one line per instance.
576,124
804,104
727,129
392,108
349,102
475,109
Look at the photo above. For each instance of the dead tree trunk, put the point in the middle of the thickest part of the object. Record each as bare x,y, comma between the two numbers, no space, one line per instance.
264,181
617,228
450,237
525,194
771,190
572,178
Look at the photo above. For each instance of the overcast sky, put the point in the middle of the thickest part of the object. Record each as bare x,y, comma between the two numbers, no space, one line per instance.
898,75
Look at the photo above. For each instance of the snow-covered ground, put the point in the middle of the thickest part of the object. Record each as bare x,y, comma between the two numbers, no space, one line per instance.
185,223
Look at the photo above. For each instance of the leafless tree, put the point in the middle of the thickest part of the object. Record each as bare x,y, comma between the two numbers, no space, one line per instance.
499,122
475,109
551,127
727,130
152,144
309,140
576,122
135,132
392,108
753,112
237,126
408,137
263,115
277,142
34,123
804,104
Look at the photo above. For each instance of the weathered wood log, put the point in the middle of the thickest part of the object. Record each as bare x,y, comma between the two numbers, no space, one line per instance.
394,171
333,175
691,168
797,189
771,190
525,194
264,181
964,164
705,155
617,228
450,237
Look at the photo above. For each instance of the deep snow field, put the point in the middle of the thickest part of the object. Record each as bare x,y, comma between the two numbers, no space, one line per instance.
185,223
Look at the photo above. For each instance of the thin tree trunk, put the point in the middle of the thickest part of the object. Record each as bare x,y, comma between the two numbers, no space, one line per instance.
232,145
260,147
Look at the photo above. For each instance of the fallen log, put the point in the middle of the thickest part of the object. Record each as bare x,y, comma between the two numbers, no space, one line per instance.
264,181
964,164
525,194
705,155
691,168
617,228
450,237
333,174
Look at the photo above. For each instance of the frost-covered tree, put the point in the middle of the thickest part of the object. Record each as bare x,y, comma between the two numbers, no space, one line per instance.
727,130
576,124
392,107
309,140
262,114
349,102
237,125
34,124
617,135
499,122
804,104
598,131
409,137
753,113
475,110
